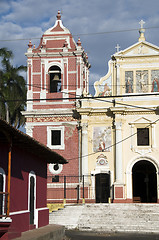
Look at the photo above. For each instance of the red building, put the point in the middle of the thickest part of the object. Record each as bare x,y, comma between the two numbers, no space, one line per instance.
23,181
58,72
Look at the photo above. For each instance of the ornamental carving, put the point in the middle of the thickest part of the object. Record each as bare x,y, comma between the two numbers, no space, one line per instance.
102,160
51,119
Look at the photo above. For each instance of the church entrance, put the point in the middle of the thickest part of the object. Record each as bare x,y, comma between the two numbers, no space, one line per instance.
144,182
102,184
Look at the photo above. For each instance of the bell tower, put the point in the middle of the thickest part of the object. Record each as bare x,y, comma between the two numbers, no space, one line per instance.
58,72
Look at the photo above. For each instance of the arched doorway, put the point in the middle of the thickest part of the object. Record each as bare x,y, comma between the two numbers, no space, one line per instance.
32,199
102,184
144,182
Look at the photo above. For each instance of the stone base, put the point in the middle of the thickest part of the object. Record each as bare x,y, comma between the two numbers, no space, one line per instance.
119,193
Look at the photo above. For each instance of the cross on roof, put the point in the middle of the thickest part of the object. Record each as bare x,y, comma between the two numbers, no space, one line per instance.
141,23
117,47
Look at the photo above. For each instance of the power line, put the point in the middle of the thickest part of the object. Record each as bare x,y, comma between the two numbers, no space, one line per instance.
46,86
79,34
113,145
86,97
124,104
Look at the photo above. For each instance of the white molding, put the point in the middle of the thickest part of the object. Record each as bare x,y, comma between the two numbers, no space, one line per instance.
54,62
54,103
61,185
70,72
50,112
52,124
19,212
36,73
41,209
4,219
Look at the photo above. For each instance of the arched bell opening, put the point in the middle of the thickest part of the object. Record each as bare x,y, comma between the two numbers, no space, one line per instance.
55,79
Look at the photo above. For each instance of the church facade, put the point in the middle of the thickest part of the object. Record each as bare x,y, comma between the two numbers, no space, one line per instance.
110,140
121,126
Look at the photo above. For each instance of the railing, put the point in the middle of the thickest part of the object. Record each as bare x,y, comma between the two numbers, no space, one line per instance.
72,188
79,189
3,204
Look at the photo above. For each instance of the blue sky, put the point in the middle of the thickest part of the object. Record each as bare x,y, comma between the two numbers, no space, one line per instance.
28,19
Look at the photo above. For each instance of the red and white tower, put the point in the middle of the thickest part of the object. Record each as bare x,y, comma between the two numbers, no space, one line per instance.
58,71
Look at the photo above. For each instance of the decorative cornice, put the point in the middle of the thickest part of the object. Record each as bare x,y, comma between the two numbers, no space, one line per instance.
51,119
134,111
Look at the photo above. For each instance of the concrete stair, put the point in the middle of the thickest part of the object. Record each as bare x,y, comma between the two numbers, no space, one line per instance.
68,216
120,217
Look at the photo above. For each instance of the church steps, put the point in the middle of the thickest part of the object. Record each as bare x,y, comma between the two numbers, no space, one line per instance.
109,217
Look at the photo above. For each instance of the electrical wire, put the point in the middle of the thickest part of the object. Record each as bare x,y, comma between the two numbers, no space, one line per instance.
113,145
84,98
79,34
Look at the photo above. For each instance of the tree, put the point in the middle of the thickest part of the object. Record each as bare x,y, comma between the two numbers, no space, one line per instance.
12,90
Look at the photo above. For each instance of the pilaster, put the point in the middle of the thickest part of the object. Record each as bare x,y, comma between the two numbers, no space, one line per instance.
84,149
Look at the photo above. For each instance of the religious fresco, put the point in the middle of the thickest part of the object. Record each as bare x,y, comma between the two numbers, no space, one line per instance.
142,81
102,139
155,80
129,81
105,89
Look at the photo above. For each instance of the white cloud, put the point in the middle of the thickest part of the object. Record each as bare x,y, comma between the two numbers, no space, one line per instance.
29,19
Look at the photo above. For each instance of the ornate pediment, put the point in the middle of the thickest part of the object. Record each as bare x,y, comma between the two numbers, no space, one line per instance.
141,120
139,49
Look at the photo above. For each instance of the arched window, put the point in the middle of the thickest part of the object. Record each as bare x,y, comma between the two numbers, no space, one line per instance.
32,196
55,79
2,189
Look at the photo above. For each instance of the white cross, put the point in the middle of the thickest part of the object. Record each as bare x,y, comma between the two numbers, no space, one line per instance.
117,47
141,23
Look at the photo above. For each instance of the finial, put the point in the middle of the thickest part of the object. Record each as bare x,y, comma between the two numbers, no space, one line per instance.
65,43
30,44
142,23
141,31
58,15
117,48
79,42
43,44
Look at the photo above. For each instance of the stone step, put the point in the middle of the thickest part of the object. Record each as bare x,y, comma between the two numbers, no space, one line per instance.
109,217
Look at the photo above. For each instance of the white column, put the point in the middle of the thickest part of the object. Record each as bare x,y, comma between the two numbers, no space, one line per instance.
153,144
118,152
29,129
93,185
129,184
133,137
118,79
84,149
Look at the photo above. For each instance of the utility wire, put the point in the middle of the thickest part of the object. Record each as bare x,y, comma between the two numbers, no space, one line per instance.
85,98
112,145
45,86
124,104
79,34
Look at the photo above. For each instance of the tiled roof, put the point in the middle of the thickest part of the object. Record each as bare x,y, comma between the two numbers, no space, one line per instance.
28,143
